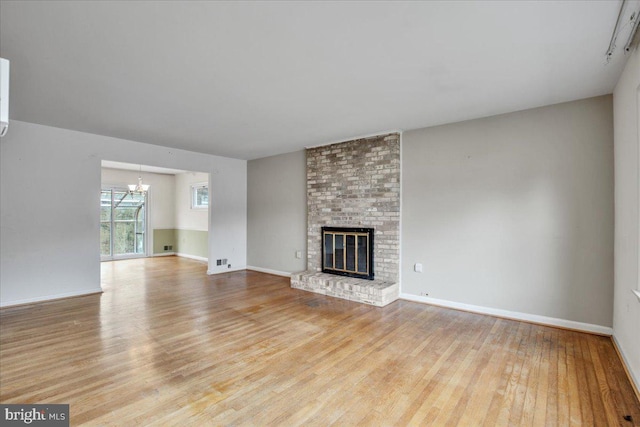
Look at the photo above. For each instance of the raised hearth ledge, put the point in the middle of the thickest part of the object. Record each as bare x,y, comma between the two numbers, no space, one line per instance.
372,292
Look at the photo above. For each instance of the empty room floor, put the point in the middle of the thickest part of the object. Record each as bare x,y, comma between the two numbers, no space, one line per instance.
165,344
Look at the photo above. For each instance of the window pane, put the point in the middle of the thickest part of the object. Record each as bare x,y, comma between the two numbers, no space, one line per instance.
351,252
135,199
105,239
328,250
140,231
105,213
124,214
140,243
124,238
127,205
339,251
363,256
105,205
202,196
140,220
124,222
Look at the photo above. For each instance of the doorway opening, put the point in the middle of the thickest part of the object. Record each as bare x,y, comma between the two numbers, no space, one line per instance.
170,218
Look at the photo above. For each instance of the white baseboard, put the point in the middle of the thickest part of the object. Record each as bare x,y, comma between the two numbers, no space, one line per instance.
223,270
633,376
269,271
180,254
50,297
515,315
196,257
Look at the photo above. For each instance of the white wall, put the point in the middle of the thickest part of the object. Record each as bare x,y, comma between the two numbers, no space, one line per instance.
228,215
514,212
185,217
49,185
277,217
626,311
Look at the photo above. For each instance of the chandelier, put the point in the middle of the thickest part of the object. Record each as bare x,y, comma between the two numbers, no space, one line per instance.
139,187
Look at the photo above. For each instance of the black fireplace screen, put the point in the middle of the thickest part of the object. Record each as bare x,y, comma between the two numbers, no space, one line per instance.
348,251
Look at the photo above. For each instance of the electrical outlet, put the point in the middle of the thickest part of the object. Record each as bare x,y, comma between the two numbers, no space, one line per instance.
424,294
299,254
417,267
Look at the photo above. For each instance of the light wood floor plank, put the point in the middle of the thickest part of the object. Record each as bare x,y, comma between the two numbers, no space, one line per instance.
165,345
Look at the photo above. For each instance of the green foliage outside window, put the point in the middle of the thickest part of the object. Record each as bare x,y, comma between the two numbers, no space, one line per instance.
128,223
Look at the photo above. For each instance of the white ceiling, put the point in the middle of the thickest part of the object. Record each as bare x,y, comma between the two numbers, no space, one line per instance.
252,79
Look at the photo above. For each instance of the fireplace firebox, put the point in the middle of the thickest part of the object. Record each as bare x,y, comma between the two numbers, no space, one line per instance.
348,251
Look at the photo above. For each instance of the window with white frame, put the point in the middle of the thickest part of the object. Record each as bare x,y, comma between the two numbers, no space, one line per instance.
200,195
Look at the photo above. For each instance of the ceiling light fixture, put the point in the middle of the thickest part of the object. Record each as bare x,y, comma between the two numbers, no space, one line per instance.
139,187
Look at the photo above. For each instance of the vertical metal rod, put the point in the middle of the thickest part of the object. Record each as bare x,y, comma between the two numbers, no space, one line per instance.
333,252
344,251
355,269
368,257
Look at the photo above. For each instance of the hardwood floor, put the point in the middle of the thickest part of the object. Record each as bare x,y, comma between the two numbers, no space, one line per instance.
165,344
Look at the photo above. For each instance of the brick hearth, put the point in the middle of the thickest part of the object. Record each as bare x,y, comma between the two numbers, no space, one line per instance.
373,292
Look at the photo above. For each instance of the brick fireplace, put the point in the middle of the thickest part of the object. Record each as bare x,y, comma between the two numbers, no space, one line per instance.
355,184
